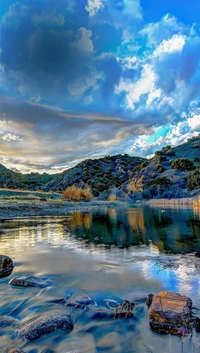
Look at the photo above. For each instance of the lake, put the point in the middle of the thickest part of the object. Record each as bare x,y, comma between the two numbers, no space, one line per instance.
105,256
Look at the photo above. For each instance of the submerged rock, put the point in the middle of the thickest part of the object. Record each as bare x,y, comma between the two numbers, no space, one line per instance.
170,312
44,325
29,281
16,351
6,266
6,321
80,301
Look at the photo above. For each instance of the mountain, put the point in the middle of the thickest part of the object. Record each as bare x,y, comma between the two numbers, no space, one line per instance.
172,172
16,180
101,174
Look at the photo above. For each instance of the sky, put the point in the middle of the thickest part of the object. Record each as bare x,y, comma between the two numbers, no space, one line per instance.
83,79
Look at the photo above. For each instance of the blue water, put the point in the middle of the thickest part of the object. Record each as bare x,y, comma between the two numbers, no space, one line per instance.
110,255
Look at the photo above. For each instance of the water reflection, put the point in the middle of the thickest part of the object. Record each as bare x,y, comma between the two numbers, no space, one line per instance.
82,255
175,230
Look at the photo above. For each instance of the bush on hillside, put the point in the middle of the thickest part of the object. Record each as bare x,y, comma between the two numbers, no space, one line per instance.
170,153
182,164
193,181
160,168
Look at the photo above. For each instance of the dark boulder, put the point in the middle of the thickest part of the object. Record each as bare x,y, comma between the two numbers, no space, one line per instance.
6,266
45,324
170,313
149,300
197,324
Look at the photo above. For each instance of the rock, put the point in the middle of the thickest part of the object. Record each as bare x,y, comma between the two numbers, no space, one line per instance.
6,266
109,341
169,312
16,351
43,325
80,301
149,300
29,281
6,321
197,324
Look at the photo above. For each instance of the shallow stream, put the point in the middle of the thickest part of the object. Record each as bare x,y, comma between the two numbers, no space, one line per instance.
109,255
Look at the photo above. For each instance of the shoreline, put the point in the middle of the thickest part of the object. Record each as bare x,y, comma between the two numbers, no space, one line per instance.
15,209
10,208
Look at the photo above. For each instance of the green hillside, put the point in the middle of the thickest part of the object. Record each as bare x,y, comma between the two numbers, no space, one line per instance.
101,174
171,173
33,181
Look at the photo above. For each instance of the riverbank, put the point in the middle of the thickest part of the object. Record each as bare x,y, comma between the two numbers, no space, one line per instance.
10,208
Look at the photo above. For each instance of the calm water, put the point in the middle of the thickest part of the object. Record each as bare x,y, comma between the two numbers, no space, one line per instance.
109,255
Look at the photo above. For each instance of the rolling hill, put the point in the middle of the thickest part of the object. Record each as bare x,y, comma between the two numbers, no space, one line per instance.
171,173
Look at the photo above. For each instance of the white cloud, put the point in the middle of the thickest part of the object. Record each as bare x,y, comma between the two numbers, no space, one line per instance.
93,6
129,62
194,122
172,45
145,85
11,137
84,42
164,29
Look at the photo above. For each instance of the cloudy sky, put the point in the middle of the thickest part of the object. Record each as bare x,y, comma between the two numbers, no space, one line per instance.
87,78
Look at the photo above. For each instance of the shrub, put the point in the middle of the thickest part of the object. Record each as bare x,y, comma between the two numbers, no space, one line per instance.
74,193
162,159
143,164
170,153
193,181
160,168
182,164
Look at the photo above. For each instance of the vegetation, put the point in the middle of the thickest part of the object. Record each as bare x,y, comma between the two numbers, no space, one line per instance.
101,175
160,168
75,193
182,164
193,181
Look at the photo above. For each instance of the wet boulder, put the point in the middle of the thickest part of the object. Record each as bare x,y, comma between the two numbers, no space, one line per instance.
6,266
29,281
170,313
197,324
149,300
43,325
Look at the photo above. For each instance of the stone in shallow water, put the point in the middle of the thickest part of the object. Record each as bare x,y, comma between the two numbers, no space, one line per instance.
6,321
79,301
16,351
6,266
44,325
29,281
169,312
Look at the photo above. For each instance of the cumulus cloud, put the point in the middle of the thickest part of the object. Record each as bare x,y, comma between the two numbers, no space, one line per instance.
93,6
95,72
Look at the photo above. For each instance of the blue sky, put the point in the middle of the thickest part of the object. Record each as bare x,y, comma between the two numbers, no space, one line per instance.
86,78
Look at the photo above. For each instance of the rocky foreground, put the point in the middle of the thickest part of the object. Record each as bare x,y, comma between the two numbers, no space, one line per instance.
168,313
